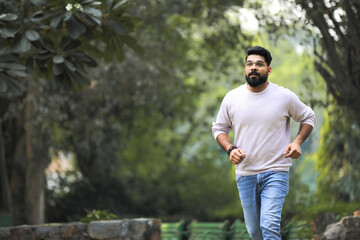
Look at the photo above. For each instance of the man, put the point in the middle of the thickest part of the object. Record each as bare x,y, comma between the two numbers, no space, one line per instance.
259,112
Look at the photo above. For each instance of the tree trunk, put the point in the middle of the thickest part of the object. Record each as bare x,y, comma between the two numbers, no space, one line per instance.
17,180
5,190
37,157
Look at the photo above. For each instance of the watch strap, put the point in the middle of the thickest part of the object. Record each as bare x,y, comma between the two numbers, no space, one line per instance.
230,149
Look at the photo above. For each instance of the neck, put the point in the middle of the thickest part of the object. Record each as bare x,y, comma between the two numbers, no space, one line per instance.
259,88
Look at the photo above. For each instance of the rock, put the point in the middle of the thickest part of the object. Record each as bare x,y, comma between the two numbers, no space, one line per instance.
107,229
137,229
48,232
4,233
22,232
75,230
348,228
320,223
334,231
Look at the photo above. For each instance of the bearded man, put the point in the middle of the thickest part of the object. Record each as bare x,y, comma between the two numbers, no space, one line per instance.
259,112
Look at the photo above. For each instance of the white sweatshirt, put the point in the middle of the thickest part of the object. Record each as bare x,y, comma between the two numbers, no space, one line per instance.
261,123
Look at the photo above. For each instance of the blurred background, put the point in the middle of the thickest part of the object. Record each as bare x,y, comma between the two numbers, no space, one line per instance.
108,105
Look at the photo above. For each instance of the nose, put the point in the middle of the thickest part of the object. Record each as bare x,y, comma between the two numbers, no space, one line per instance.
253,66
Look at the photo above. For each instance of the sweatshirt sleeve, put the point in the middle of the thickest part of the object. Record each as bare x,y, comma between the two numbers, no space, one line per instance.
223,122
300,112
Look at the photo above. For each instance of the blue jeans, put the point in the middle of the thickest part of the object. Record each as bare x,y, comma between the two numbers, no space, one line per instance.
262,197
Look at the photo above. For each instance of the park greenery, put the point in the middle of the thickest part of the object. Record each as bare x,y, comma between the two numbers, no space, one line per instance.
129,89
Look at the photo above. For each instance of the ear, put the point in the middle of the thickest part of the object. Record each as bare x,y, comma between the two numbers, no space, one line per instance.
269,70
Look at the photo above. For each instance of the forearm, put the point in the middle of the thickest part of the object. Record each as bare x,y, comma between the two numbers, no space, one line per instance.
224,141
303,134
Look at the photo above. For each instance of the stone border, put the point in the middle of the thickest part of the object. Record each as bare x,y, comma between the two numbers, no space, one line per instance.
127,229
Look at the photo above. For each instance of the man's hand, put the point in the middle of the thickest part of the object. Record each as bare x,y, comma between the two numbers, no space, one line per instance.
293,150
237,156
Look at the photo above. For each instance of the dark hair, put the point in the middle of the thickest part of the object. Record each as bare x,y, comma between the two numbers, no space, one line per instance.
257,50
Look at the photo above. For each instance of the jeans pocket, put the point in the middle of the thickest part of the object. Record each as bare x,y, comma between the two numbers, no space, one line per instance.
238,178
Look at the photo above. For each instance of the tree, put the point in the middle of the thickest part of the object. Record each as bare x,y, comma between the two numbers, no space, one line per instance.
339,60
338,158
52,40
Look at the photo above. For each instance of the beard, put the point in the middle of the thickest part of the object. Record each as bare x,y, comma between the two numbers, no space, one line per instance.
254,81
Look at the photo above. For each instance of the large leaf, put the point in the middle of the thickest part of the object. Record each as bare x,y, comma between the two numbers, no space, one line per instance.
119,4
72,45
58,69
3,86
90,61
16,73
32,35
69,65
44,56
21,45
89,19
8,17
64,40
92,11
117,27
80,68
86,2
48,45
77,77
56,22
8,33
90,2
58,59
109,4
12,85
41,15
15,66
75,28
67,16
84,57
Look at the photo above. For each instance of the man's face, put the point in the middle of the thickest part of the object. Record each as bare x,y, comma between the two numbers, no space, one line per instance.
256,70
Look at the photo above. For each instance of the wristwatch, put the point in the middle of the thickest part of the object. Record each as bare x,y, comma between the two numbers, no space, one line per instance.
230,149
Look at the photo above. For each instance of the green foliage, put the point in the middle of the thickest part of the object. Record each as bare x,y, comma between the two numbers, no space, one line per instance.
297,229
98,215
60,39
149,121
338,158
340,209
10,68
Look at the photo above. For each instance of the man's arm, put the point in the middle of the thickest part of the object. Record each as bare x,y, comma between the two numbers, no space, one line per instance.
293,150
237,155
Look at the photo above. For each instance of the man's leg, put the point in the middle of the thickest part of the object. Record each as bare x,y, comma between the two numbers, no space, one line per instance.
250,201
274,188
